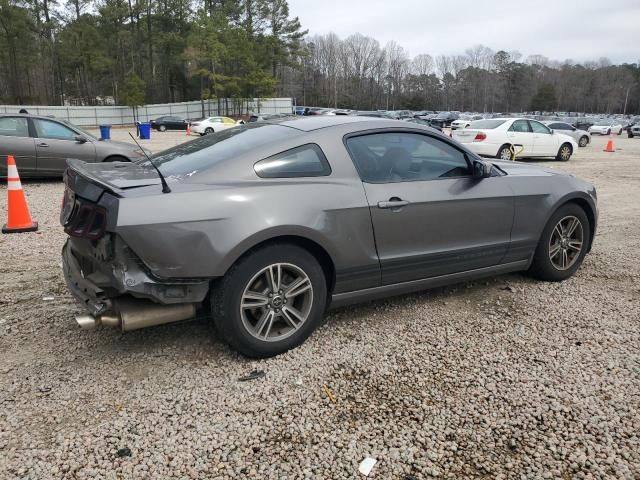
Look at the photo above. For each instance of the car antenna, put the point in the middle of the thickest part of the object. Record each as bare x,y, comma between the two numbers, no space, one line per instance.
165,185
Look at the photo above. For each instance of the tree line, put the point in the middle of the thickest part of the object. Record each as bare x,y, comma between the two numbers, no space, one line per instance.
152,51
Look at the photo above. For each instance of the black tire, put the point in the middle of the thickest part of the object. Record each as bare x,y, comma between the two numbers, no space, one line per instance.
620,132
503,152
565,152
208,130
116,158
226,296
584,141
609,132
542,267
162,128
630,135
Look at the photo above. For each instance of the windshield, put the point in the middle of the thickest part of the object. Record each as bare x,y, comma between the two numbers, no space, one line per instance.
205,152
486,124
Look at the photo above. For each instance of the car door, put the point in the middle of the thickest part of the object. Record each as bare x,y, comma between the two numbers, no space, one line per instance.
520,135
430,217
15,140
545,144
55,143
565,129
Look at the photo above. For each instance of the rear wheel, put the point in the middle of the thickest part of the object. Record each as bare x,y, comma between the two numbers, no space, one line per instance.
208,130
564,154
270,301
505,153
563,244
584,141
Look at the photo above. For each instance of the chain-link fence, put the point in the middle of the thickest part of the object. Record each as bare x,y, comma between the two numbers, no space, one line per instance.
117,115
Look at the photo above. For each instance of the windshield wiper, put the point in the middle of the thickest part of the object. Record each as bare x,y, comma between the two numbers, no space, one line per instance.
165,185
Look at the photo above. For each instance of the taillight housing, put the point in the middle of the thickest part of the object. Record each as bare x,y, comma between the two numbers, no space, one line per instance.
87,220
480,136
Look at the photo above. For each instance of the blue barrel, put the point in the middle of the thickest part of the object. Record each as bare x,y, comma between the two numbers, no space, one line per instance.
145,131
105,132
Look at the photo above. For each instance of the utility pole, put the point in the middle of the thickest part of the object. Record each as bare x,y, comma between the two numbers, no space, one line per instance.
626,99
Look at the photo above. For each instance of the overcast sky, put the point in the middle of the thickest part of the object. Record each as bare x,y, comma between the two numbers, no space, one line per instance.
559,29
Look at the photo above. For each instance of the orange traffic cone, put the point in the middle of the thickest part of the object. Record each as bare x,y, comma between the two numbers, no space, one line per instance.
188,129
19,217
610,148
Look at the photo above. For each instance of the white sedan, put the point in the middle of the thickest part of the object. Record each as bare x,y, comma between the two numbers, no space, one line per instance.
606,127
212,124
464,121
501,137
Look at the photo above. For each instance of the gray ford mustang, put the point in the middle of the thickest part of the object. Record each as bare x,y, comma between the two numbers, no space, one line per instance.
266,225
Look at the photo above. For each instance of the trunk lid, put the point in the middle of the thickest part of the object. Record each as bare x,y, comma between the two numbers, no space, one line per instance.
115,176
465,135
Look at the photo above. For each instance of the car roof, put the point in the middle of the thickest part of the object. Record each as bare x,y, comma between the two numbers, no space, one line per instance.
308,124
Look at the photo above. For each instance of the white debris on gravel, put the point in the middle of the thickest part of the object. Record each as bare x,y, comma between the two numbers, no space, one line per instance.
503,378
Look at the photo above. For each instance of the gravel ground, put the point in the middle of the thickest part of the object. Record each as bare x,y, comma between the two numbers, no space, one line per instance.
505,378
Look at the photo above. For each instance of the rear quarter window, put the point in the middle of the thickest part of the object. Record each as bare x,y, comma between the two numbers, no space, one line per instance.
304,161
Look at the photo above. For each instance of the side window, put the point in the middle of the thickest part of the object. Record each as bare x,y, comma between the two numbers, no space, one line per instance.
405,157
304,161
53,130
558,126
228,121
520,126
215,120
537,127
14,127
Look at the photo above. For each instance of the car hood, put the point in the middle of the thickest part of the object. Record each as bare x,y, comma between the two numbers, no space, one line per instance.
526,169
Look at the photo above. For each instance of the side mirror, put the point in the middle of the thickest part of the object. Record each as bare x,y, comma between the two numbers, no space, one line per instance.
80,139
481,169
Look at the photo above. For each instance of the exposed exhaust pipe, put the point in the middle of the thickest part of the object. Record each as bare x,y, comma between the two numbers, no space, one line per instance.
132,314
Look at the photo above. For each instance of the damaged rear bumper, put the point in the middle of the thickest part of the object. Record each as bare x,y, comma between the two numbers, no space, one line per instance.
97,273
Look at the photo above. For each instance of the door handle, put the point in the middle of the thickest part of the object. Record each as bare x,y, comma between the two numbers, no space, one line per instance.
43,144
393,203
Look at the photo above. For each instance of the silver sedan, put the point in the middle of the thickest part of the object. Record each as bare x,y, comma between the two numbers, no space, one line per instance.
581,136
42,145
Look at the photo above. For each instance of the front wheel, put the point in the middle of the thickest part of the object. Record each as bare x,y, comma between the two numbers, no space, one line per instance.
564,154
505,153
584,141
162,128
609,132
208,130
563,244
270,301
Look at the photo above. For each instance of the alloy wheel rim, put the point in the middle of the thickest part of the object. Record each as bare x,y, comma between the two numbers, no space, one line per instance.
583,142
505,154
566,242
276,302
565,153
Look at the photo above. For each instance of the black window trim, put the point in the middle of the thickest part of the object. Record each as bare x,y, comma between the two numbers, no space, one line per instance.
424,133
32,124
323,160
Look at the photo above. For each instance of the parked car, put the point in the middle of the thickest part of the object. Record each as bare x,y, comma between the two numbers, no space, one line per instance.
263,117
212,125
497,137
444,119
582,137
169,123
41,145
633,122
374,114
421,121
606,127
298,110
464,121
268,224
